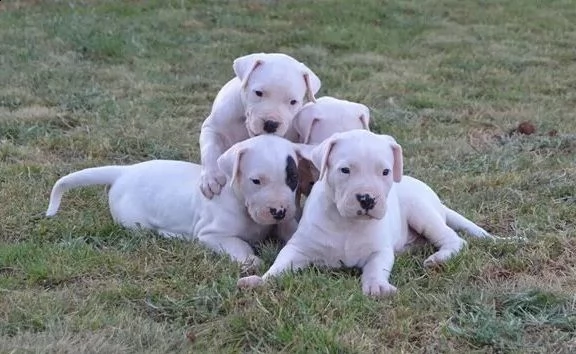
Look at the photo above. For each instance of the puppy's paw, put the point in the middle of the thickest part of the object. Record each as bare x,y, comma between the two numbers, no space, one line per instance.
250,265
211,182
377,287
439,258
250,282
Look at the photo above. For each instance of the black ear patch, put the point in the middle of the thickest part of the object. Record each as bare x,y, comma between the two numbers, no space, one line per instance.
291,173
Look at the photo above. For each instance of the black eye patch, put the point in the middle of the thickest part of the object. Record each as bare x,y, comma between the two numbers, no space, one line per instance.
291,173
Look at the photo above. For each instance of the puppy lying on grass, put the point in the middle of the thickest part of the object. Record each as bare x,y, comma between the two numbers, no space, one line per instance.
362,211
163,195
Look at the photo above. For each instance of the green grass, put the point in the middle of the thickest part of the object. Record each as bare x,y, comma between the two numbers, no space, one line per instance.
86,83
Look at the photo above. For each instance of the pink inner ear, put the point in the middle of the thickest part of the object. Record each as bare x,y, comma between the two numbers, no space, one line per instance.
308,130
364,121
309,94
321,162
257,63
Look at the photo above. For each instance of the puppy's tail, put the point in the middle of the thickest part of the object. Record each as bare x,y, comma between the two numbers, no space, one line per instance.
96,175
458,222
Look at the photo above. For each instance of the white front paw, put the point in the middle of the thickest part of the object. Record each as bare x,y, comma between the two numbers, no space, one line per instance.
377,287
211,182
250,282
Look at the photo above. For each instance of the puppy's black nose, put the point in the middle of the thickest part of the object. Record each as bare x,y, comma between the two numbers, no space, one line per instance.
366,201
270,126
278,214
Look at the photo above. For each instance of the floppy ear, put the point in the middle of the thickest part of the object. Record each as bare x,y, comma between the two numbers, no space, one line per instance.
398,168
229,163
313,83
319,154
312,86
303,151
244,66
365,117
303,124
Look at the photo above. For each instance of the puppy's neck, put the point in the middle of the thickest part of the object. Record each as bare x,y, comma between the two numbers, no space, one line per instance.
233,199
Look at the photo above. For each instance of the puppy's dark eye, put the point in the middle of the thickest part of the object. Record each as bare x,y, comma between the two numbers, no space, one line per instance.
258,93
386,172
255,181
293,102
345,170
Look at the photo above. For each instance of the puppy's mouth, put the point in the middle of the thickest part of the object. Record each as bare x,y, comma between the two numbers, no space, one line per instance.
263,217
250,132
366,215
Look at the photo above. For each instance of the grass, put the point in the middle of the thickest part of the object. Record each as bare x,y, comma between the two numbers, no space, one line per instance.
86,83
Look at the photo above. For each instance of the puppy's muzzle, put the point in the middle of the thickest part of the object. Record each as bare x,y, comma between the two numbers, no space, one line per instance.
278,214
366,201
270,126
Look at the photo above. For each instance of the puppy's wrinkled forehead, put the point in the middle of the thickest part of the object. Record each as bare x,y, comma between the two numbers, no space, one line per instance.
284,75
363,150
273,156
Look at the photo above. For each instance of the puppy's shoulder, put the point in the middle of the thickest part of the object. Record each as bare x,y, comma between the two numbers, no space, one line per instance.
228,102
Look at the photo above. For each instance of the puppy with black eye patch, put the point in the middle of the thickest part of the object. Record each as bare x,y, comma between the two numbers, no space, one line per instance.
291,173
163,195
363,211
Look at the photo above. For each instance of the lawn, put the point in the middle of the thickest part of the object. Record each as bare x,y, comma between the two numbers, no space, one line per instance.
86,83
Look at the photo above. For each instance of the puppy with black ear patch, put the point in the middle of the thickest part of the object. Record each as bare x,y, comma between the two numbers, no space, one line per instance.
362,211
163,195
317,122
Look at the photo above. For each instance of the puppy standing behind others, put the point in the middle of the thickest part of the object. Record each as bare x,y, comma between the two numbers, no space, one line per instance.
163,195
362,211
263,98
318,121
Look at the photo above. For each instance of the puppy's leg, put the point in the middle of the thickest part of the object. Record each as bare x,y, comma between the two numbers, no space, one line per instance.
211,147
431,224
290,257
376,272
238,249
458,222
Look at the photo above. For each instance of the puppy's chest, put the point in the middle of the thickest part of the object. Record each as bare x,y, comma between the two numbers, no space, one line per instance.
350,251
255,232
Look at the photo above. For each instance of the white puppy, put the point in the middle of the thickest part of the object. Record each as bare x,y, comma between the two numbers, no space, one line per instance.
362,211
318,121
263,98
163,195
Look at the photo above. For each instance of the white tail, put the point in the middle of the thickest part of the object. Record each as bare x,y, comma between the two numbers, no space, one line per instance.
90,176
458,222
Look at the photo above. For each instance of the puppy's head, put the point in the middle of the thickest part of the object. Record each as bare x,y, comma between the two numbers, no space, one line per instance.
358,168
263,172
318,121
274,88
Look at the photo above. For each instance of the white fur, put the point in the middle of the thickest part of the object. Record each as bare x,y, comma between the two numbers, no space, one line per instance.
336,230
163,195
238,112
